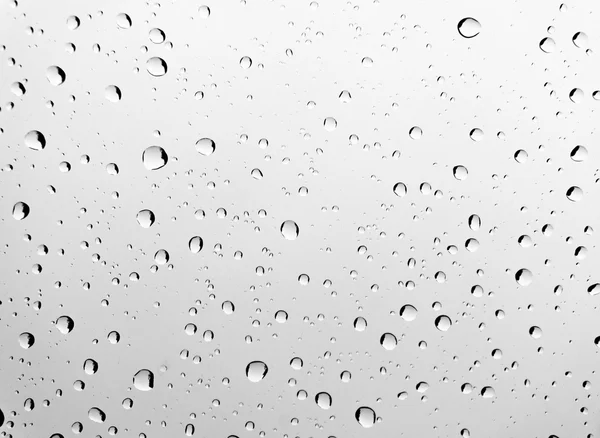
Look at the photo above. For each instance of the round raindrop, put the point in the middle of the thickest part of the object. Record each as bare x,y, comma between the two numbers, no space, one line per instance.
365,416
476,134
90,367
256,371
474,222
323,400
205,146
415,133
574,194
580,39
576,95
246,62
123,21
154,158
443,323
96,415
535,332
145,218
204,11
20,211
460,172
289,230
521,156
156,66
360,324
408,312
55,75
143,380
26,340
468,27
579,154
112,93
156,36
35,140
388,341
488,392
547,45
329,124
400,189
196,244
524,277
65,324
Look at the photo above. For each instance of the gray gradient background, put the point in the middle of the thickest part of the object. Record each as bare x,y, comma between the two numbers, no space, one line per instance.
498,81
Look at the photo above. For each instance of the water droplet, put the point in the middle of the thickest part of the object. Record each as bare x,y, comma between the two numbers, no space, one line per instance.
521,156
156,35
65,324
400,189
535,332
323,400
73,22
360,324
579,153
26,340
524,277
145,218
574,194
576,95
580,39
20,211
154,158
204,11
474,222
289,230
367,62
365,416
90,367
594,289
488,392
123,21
472,245
156,66
415,133
476,134
408,312
35,140
196,244
205,146
460,172
443,323
256,371
388,341
345,96
161,257
468,27
329,124
112,93
55,75
143,380
246,62
96,415
547,45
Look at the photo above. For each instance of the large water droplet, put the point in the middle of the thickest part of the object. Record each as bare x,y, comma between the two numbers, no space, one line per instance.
96,415
524,277
400,189
156,35
443,323
196,244
535,332
460,172
143,380
65,324
20,211
123,21
156,66
365,416
26,340
256,371
246,62
35,140
112,93
408,312
154,158
468,27
388,341
547,45
574,194
206,146
145,218
579,153
55,75
323,400
330,124
290,230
